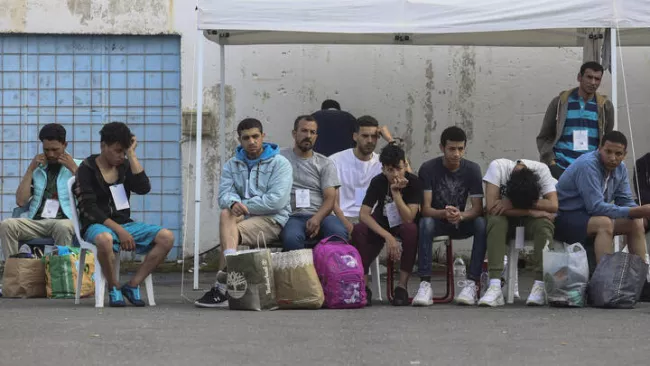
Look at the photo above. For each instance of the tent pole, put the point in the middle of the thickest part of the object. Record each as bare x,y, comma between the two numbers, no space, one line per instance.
222,105
198,175
614,69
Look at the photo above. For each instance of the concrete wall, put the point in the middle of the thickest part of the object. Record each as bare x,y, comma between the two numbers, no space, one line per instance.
498,95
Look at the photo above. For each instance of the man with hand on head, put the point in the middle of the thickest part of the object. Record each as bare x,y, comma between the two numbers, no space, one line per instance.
45,188
313,192
104,185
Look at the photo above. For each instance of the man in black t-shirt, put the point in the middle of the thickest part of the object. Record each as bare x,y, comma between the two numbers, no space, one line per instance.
397,195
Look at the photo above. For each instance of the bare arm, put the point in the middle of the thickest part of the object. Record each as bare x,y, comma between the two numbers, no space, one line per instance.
329,198
548,204
429,211
476,211
406,211
24,191
366,217
339,213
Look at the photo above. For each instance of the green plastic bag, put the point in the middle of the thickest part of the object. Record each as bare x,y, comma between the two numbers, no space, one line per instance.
62,271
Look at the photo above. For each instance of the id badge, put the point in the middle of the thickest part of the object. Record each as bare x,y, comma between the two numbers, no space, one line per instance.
302,198
119,197
580,140
392,213
50,209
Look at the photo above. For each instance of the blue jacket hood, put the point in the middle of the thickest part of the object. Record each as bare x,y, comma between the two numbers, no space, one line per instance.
270,150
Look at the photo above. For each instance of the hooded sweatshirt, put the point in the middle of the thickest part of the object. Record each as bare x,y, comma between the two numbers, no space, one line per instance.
263,185
95,201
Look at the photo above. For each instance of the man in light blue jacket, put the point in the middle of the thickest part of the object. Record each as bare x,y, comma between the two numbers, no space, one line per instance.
45,188
595,200
254,197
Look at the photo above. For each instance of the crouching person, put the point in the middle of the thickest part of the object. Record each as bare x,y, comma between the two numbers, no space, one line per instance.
104,186
397,195
520,193
254,194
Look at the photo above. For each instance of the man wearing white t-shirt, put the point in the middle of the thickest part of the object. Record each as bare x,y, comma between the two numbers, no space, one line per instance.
518,193
356,167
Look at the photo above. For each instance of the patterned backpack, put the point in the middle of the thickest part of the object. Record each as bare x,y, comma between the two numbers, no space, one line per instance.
340,270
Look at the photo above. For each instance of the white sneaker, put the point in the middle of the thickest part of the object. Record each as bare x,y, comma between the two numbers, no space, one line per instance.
424,296
537,294
468,295
493,297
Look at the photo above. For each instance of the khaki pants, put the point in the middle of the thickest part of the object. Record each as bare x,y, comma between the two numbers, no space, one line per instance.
21,229
250,230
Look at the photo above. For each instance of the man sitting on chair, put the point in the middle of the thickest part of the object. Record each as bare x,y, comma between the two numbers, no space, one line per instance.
396,196
586,191
104,186
46,183
520,193
254,194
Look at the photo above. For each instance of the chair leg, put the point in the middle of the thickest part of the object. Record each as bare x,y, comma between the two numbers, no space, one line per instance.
376,278
116,267
389,279
148,284
449,294
513,259
100,284
80,277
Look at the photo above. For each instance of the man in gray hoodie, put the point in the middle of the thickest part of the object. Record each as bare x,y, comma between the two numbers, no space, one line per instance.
254,196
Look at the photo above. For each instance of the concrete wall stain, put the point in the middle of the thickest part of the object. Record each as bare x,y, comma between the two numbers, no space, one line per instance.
17,12
80,8
429,123
464,66
407,136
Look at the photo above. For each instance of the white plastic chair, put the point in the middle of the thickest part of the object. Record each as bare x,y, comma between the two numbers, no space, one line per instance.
100,281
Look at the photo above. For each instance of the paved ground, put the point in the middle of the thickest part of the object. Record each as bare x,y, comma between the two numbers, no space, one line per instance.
56,332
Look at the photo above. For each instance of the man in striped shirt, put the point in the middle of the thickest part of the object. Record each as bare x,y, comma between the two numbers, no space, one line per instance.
575,121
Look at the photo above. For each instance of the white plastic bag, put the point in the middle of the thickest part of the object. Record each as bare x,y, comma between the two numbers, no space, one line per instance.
566,274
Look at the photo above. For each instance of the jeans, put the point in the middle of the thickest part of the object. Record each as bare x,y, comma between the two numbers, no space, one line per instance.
430,228
294,234
500,228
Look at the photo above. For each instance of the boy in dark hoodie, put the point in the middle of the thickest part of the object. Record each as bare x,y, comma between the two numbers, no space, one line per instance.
254,193
104,186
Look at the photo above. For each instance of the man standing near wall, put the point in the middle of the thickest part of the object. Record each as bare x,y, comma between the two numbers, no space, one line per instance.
45,188
335,128
575,121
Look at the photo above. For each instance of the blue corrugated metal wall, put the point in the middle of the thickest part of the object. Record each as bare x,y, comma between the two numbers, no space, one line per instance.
83,82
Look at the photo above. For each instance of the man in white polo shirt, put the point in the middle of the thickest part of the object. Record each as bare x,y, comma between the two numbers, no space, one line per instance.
356,167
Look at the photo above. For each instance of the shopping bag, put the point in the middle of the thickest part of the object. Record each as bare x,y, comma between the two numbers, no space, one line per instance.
24,277
566,274
250,280
62,271
296,283
618,281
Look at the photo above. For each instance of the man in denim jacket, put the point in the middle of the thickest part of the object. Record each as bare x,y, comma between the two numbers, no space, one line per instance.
254,197
45,188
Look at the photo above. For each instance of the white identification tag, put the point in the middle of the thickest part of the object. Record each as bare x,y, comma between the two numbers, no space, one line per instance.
302,198
50,209
580,140
359,195
119,197
519,237
392,213
246,193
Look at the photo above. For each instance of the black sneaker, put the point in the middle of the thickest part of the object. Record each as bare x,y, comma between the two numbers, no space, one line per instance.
215,298
368,297
401,297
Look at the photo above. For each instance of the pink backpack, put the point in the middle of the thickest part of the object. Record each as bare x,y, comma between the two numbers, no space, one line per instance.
340,271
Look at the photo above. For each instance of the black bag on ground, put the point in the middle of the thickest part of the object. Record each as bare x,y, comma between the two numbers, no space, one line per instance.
618,281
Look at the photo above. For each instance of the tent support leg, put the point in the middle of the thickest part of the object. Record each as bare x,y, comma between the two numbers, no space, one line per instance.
198,175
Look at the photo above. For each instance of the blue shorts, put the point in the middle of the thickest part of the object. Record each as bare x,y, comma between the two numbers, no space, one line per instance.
571,226
143,235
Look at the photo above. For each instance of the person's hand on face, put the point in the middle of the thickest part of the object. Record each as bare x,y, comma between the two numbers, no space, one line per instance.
38,160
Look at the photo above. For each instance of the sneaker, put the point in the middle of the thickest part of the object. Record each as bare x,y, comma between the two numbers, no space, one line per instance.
215,298
368,297
115,298
537,294
468,295
424,296
133,295
401,297
493,296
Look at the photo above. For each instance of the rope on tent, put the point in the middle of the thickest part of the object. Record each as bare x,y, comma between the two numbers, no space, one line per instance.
627,110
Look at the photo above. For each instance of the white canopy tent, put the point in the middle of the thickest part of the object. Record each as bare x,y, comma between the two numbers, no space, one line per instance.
521,23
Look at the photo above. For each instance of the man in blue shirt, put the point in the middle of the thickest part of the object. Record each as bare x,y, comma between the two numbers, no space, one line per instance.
586,191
